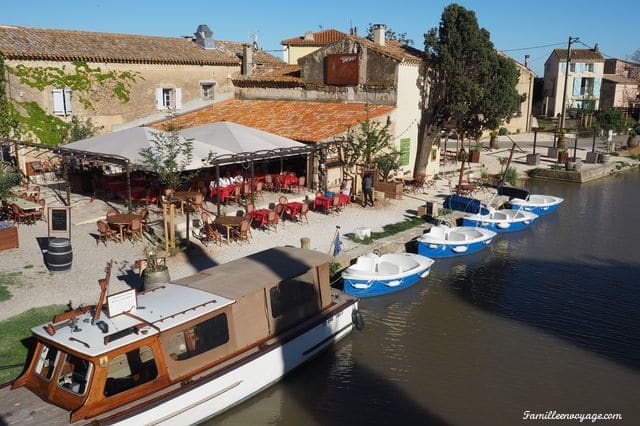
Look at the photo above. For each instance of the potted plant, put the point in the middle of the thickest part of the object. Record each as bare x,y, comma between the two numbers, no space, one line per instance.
474,154
632,140
563,155
562,141
156,271
493,139
8,235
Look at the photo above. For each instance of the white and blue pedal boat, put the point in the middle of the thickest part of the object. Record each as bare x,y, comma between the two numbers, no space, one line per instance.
535,203
444,241
477,215
374,275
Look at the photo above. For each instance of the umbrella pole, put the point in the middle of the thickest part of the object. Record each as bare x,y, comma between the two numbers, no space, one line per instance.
218,187
128,173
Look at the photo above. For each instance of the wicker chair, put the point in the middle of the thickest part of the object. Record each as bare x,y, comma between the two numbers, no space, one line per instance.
105,233
303,212
134,231
241,234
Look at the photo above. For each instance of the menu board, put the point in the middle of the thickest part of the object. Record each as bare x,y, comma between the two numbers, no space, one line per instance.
59,222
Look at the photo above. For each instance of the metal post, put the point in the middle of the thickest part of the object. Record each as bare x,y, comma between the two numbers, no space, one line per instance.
535,138
218,187
566,79
593,142
575,145
127,168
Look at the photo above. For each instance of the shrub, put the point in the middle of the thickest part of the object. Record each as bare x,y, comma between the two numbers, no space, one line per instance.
503,131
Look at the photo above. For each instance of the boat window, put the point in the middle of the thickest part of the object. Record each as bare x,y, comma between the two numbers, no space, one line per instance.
200,338
292,294
130,370
74,374
47,360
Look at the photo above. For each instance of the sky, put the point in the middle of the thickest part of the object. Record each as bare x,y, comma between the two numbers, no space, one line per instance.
516,27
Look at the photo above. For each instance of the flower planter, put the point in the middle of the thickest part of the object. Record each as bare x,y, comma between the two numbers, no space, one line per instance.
390,189
474,156
154,279
9,238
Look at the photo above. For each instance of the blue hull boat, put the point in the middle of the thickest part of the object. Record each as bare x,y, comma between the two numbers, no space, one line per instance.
535,203
443,241
374,275
503,220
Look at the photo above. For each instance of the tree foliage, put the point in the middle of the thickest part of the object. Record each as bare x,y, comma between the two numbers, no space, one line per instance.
389,34
371,144
169,155
635,56
81,129
9,178
611,118
466,84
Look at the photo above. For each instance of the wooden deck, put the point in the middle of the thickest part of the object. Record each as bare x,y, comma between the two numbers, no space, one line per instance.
22,407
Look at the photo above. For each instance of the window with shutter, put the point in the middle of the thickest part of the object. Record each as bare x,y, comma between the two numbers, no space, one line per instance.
178,93
61,101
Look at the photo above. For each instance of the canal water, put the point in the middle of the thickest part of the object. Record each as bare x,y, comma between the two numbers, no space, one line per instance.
547,319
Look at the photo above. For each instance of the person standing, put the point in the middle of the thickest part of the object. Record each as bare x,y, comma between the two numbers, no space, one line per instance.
367,189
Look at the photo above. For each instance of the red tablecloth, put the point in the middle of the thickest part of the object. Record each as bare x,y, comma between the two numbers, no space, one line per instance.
260,216
225,191
344,199
322,201
293,208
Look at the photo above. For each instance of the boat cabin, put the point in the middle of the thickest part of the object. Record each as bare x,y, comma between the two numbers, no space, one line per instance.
144,346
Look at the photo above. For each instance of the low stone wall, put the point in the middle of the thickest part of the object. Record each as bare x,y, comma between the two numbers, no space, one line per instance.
585,175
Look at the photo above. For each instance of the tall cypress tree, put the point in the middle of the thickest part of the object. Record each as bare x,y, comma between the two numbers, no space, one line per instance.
467,85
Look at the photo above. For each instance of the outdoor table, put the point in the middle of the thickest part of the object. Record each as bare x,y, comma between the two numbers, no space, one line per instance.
183,196
288,180
25,205
121,220
260,216
293,208
322,201
228,222
225,191
344,199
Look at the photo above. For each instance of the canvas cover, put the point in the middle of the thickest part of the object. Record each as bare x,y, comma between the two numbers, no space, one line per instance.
511,192
463,204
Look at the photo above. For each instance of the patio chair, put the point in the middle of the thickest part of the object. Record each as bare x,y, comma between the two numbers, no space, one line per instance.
105,233
250,208
334,207
268,182
300,186
198,202
20,216
144,217
210,234
272,221
303,212
241,234
134,231
39,214
259,190
283,200
236,195
280,212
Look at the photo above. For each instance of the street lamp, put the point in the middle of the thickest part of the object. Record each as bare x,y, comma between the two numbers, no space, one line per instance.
566,78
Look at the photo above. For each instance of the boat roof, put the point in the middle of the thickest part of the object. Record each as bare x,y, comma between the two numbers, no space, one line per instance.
156,311
182,300
257,271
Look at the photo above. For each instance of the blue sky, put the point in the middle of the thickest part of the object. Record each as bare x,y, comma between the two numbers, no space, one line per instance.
512,24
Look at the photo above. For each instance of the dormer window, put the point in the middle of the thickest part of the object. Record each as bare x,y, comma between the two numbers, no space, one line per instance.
207,89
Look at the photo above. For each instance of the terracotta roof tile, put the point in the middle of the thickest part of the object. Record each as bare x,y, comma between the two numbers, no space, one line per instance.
320,38
50,44
585,54
299,120
235,48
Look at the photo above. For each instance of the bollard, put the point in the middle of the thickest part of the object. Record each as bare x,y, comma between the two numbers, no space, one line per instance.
305,243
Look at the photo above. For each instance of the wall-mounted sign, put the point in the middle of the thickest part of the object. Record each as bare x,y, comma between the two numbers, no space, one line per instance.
59,219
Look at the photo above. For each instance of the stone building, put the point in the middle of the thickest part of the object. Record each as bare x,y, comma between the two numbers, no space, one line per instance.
175,73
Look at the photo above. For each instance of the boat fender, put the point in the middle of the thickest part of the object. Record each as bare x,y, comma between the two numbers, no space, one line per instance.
356,318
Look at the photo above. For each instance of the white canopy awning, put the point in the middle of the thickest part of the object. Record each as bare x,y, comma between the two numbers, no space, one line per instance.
128,143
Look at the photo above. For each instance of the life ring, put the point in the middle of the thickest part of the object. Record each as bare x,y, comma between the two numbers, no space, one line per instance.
356,319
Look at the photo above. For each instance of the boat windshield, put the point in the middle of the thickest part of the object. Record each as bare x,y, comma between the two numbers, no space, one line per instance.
75,374
47,360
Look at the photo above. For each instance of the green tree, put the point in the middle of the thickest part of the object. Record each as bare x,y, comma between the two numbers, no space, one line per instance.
168,155
389,34
466,84
611,118
81,129
371,144
635,56
9,178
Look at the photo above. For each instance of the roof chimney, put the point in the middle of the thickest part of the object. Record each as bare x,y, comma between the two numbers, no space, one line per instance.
308,35
204,37
526,61
378,34
247,60
596,48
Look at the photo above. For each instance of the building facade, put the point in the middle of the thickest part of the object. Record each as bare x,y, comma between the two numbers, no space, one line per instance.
173,74
584,80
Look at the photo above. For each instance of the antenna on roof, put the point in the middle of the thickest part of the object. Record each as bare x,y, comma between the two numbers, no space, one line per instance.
253,37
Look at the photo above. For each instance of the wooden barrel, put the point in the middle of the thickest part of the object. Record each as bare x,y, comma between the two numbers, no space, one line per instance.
605,158
59,254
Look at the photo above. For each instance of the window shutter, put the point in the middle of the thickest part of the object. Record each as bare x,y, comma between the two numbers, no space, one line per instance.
58,101
178,98
596,87
576,86
159,104
67,102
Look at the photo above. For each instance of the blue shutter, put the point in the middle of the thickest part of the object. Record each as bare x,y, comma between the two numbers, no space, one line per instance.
596,87
576,86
